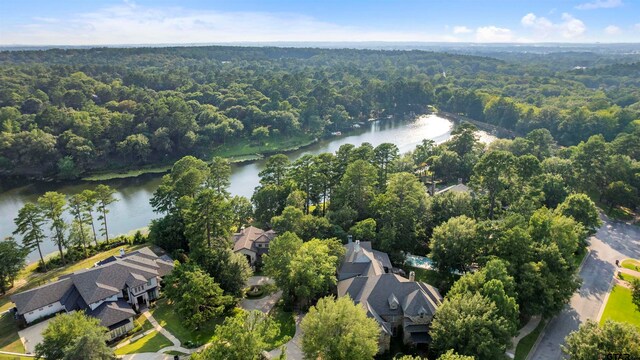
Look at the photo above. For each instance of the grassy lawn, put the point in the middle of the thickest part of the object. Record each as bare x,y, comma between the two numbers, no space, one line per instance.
238,149
287,325
150,343
631,264
142,324
627,277
526,343
167,317
579,256
13,357
620,308
9,339
31,278
173,352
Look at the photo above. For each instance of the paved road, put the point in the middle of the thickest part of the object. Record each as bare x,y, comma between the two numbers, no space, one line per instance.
614,240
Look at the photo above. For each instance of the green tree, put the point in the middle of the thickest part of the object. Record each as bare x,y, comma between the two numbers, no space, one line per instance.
400,210
208,220
13,260
592,341
243,336
494,283
76,208
242,211
339,329
383,156
619,193
228,268
364,230
168,232
275,170
635,292
494,173
52,204
104,198
29,224
277,262
357,188
470,325
219,179
581,209
452,355
196,296
90,202
312,270
77,231
260,134
70,335
454,244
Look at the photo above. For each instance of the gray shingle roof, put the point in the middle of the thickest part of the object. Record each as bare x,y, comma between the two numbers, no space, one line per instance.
41,296
112,312
84,287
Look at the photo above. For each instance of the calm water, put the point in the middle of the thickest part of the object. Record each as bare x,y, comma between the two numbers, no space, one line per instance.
133,211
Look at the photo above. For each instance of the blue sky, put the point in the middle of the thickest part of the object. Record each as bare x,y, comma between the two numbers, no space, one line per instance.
103,22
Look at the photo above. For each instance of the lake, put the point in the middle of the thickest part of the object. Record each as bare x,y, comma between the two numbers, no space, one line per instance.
132,210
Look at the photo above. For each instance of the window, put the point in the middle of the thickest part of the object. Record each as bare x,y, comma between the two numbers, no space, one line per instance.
149,282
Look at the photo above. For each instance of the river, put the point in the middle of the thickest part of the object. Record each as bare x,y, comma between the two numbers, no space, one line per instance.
132,210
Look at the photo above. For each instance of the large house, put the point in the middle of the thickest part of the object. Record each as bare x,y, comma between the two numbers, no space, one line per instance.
253,243
398,304
111,291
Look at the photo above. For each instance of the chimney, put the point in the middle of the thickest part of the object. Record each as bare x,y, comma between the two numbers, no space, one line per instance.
349,239
356,247
121,251
412,276
460,181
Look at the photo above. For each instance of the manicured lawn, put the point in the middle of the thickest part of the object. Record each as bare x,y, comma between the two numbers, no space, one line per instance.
9,339
167,317
12,357
627,277
34,279
150,343
287,324
631,264
526,343
620,308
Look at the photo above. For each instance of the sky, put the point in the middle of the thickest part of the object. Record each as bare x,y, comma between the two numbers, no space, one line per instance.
120,22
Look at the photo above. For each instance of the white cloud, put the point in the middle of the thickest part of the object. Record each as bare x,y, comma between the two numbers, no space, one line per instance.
612,30
129,23
600,4
544,28
493,34
637,26
461,30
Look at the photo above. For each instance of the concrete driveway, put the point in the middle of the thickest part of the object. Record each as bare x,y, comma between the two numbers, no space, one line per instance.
32,336
613,241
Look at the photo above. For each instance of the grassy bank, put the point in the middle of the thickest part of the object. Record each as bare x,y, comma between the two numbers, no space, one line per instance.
167,317
151,342
239,151
526,343
274,144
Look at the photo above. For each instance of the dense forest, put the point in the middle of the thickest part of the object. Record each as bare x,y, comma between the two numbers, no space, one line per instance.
65,113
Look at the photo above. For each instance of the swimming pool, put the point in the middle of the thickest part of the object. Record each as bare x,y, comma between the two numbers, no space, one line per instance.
419,261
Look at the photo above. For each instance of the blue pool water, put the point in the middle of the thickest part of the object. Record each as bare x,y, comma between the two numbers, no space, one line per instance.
419,261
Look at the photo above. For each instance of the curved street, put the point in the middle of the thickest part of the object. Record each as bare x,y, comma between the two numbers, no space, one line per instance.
613,241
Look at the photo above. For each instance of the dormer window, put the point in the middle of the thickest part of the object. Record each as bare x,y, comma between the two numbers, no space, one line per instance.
422,312
393,302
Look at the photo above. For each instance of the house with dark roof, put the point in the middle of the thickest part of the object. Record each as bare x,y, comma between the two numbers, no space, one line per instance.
253,242
111,291
398,304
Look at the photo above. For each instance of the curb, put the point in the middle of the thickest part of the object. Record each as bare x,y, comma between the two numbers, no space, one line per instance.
544,329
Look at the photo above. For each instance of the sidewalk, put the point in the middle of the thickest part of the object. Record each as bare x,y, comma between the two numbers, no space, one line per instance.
524,331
